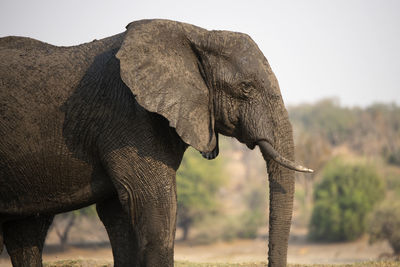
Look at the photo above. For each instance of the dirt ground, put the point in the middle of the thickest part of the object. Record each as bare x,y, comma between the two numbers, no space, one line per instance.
90,241
236,251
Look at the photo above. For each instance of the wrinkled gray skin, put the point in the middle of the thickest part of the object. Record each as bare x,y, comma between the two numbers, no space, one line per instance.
108,122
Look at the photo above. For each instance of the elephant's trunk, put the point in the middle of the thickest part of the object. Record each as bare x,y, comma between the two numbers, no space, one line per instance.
281,183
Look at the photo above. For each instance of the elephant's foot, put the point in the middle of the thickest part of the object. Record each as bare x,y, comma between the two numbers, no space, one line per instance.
1,237
158,255
24,240
143,244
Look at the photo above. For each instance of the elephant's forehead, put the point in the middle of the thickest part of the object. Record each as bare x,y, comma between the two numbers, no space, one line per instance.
251,61
249,57
251,65
242,52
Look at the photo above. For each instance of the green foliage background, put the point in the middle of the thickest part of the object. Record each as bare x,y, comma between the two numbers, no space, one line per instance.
384,224
198,181
326,117
344,197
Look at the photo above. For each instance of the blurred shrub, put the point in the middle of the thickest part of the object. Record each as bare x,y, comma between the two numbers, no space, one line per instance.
220,227
394,157
198,182
347,192
255,214
250,223
384,224
245,225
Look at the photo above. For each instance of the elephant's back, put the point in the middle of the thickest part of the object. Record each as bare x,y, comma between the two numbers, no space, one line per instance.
37,76
36,79
34,71
22,43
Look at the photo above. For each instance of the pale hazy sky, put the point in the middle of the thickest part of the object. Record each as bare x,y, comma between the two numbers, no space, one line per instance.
317,48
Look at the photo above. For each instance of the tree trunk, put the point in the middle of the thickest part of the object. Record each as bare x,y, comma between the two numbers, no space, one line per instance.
63,235
185,228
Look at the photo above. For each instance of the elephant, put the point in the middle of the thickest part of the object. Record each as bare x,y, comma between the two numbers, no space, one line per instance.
107,123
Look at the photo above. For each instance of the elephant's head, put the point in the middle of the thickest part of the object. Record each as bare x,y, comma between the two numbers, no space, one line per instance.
210,82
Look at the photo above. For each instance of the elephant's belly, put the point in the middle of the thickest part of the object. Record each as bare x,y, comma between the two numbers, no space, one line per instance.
52,185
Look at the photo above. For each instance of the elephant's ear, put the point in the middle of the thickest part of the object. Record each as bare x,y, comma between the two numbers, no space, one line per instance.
159,63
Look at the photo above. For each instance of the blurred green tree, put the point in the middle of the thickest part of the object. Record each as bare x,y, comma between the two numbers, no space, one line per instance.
373,131
347,192
198,182
325,117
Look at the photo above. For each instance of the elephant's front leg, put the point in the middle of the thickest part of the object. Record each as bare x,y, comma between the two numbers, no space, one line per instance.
156,225
122,235
147,194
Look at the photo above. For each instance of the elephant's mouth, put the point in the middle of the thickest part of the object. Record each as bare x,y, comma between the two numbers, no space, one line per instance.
251,145
269,152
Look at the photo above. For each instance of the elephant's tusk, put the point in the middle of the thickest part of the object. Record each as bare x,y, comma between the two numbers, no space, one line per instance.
268,151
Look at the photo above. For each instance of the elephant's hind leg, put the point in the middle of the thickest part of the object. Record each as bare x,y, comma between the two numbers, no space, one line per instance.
24,240
120,230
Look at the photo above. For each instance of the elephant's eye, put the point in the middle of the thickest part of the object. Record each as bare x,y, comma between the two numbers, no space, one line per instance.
246,88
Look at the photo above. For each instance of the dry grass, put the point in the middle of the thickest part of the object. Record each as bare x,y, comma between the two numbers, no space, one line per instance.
78,263
91,263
